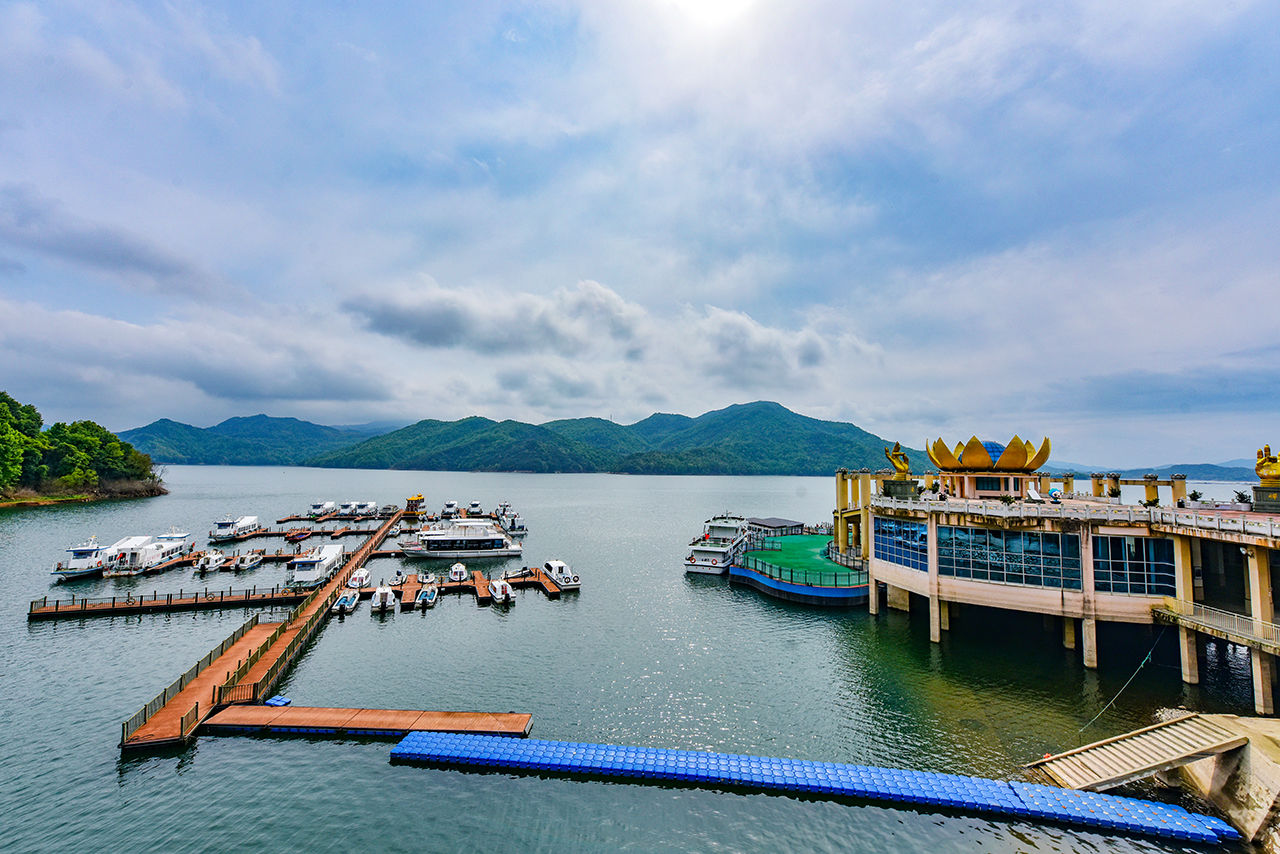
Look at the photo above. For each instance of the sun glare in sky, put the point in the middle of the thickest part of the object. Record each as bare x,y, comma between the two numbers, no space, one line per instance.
709,14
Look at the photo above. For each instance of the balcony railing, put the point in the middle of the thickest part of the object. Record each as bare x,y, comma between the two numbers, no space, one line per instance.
1239,627
806,577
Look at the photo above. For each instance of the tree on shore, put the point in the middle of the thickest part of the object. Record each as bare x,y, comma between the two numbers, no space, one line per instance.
65,457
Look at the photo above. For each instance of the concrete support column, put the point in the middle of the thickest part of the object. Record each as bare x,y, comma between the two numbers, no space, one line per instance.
944,615
1179,488
1259,575
873,592
935,619
864,527
1095,482
1046,483
1069,632
1151,484
1069,483
1089,636
1184,589
936,606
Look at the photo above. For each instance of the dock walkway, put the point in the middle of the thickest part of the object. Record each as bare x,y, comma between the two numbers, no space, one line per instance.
1124,758
156,602
397,722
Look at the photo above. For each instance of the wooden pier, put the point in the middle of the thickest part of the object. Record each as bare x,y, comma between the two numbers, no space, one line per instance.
385,722
156,602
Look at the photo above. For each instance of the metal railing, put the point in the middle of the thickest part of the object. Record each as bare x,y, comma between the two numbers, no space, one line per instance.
851,558
189,721
804,577
84,603
1241,626
144,714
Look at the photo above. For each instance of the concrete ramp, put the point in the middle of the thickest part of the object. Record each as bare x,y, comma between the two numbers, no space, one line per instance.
1124,758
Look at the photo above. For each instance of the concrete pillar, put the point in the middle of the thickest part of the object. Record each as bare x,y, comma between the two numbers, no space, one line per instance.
1151,484
864,526
1046,483
935,619
1187,652
873,592
897,598
1069,632
1259,575
1069,483
1185,591
1178,486
1095,481
944,615
1113,481
1089,636
842,489
928,481
936,605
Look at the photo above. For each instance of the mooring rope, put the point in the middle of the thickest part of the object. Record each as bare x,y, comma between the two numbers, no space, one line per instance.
1141,664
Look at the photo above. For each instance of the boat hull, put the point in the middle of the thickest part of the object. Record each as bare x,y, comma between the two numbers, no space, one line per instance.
417,551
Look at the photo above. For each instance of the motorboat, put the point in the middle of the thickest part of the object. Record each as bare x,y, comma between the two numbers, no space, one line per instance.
366,508
425,578
722,541
461,538
394,530
384,599
322,508
173,535
297,535
450,510
346,603
248,560
474,510
501,591
210,561
426,597
458,572
315,567
515,574
85,561
388,510
347,509
359,578
139,555
559,572
237,528
510,520
399,578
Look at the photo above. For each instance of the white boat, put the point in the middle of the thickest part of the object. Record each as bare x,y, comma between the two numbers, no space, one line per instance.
426,597
475,510
173,535
458,572
210,561
234,529
321,508
247,561
722,541
399,578
359,578
346,603
347,509
450,510
384,599
85,560
510,520
427,578
137,555
314,567
514,574
461,538
366,508
559,572
394,530
501,591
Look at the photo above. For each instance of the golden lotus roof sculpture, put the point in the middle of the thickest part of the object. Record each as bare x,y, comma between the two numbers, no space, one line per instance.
976,455
1268,467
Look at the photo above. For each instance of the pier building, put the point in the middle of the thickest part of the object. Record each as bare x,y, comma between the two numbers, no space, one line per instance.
985,528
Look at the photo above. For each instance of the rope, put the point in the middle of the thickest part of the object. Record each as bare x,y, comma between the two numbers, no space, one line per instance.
1141,664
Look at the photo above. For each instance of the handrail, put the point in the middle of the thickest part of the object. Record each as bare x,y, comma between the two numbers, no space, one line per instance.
140,717
849,559
805,578
82,603
189,721
1241,625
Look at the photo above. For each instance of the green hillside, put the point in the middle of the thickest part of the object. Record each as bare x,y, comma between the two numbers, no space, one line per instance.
255,440
601,434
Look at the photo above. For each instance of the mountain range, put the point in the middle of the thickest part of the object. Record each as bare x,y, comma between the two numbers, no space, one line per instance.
760,438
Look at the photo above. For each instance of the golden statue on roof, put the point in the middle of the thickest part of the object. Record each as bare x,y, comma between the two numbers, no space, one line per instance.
976,455
1268,468
901,464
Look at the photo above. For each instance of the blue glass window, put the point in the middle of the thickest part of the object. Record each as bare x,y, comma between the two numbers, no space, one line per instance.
902,541
1010,557
1135,565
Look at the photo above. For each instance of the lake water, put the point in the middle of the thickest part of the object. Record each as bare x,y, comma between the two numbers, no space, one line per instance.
643,655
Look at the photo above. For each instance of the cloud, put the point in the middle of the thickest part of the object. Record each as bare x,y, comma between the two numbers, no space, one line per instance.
33,222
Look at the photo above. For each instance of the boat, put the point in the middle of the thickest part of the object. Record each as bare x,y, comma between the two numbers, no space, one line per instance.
501,591
426,597
366,508
559,572
399,578
722,541
322,508
85,561
347,509
458,572
394,530
427,578
234,528
138,555
210,561
515,574
510,520
346,603
475,511
450,510
316,566
461,538
384,599
297,535
173,535
388,510
248,560
359,578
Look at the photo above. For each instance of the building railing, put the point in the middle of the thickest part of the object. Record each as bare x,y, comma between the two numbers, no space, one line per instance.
144,714
83,603
1263,527
850,558
1241,626
804,577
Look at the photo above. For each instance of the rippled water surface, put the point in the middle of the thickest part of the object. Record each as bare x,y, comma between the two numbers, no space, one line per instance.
643,655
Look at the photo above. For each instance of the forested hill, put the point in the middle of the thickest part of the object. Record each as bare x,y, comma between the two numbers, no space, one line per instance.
77,458
746,439
256,440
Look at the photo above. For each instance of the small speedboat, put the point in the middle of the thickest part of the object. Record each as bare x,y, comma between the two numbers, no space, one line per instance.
458,572
559,572
475,510
515,574
359,578
210,561
347,602
173,535
247,561
427,578
502,592
426,597
394,531
399,578
384,599
297,535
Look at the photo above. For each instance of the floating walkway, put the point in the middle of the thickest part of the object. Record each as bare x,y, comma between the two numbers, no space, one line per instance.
1124,758
156,602
945,791
242,720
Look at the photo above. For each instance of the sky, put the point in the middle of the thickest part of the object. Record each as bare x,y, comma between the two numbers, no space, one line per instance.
932,221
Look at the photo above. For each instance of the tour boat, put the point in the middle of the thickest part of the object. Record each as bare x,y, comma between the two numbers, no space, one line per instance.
384,599
247,561
359,578
210,561
475,510
321,508
173,535
313,568
234,528
366,508
461,538
450,510
722,541
346,603
458,572
559,572
86,560
426,597
413,504
510,520
347,509
501,591
138,555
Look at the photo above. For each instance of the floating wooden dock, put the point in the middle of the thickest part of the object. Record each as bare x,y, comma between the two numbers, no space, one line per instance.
1114,761
477,585
156,602
384,722
1015,800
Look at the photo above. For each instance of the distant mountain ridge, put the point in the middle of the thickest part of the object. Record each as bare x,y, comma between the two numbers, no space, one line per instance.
253,440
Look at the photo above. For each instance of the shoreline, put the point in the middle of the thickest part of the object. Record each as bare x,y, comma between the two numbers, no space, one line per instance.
149,490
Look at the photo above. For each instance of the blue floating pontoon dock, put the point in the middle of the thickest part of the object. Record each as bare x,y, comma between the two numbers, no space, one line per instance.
948,791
